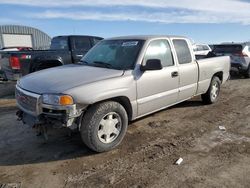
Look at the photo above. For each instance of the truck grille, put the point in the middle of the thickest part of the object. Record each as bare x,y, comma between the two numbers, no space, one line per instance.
26,101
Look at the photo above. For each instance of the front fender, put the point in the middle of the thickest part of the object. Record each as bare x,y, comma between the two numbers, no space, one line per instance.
124,86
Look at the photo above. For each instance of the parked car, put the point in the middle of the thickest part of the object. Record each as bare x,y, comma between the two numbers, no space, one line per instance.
239,54
201,50
63,50
119,80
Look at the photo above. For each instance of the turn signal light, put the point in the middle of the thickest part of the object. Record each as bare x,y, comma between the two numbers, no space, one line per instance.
66,100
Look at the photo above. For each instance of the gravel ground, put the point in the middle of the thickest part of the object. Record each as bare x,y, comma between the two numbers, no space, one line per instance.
212,157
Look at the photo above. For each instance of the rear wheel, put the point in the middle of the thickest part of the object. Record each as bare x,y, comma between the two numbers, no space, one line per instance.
211,96
104,125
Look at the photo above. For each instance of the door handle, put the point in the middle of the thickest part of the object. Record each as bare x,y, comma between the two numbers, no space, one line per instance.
174,74
79,55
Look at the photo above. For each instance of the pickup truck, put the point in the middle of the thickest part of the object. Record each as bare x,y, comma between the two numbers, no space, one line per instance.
63,50
119,80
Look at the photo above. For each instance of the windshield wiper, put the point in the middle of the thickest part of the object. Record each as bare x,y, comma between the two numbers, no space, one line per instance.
106,65
83,62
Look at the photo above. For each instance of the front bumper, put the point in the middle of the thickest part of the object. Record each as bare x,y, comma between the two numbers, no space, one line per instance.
33,111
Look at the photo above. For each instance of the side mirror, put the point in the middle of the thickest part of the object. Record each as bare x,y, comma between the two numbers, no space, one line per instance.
152,64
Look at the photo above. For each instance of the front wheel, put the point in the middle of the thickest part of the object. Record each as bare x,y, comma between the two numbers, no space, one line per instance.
211,96
104,125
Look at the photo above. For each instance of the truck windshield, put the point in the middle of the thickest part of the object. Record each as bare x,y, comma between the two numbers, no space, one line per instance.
114,54
59,43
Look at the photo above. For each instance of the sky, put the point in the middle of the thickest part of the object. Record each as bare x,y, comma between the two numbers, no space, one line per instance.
212,21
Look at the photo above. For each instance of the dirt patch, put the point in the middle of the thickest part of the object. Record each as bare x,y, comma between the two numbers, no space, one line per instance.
212,157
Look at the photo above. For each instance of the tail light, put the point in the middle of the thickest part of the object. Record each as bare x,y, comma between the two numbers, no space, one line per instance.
24,56
241,54
14,62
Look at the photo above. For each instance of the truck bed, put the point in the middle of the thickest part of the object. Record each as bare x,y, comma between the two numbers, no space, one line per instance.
208,66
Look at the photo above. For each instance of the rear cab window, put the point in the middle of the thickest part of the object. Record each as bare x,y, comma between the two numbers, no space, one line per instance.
81,43
182,51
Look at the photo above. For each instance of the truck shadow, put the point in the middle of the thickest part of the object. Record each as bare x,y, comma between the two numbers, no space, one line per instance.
236,76
190,103
19,144
194,102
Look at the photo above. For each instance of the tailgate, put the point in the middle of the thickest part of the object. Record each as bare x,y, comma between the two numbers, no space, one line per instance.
25,63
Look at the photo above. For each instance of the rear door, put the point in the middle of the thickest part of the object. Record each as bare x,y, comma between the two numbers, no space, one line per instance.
79,47
187,68
159,88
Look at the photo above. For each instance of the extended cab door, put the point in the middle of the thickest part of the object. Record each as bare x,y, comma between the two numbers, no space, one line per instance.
159,88
187,69
80,45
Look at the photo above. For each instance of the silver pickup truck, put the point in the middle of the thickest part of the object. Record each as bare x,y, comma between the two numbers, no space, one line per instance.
119,80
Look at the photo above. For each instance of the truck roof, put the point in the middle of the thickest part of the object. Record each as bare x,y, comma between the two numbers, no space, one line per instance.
77,36
233,43
145,37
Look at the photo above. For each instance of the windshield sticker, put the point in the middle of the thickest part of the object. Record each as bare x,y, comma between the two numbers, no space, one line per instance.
131,43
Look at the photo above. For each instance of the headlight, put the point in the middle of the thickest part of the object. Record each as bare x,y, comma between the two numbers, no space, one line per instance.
53,99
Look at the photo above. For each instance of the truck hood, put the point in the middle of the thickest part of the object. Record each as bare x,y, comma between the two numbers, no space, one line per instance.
60,79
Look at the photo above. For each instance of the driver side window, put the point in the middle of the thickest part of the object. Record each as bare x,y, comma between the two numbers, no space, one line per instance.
159,49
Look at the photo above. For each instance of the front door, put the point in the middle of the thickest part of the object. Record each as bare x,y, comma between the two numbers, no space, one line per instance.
159,88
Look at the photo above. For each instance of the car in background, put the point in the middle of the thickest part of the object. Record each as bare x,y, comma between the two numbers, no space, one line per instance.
201,49
239,54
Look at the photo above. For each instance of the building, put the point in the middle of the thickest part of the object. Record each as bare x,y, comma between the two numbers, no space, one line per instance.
23,36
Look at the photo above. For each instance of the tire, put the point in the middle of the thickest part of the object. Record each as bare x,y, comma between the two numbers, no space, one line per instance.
212,95
104,126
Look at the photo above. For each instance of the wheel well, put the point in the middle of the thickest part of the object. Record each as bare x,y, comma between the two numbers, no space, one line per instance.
219,75
124,101
46,64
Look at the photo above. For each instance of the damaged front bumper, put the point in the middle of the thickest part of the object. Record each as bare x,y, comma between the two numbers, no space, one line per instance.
34,112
